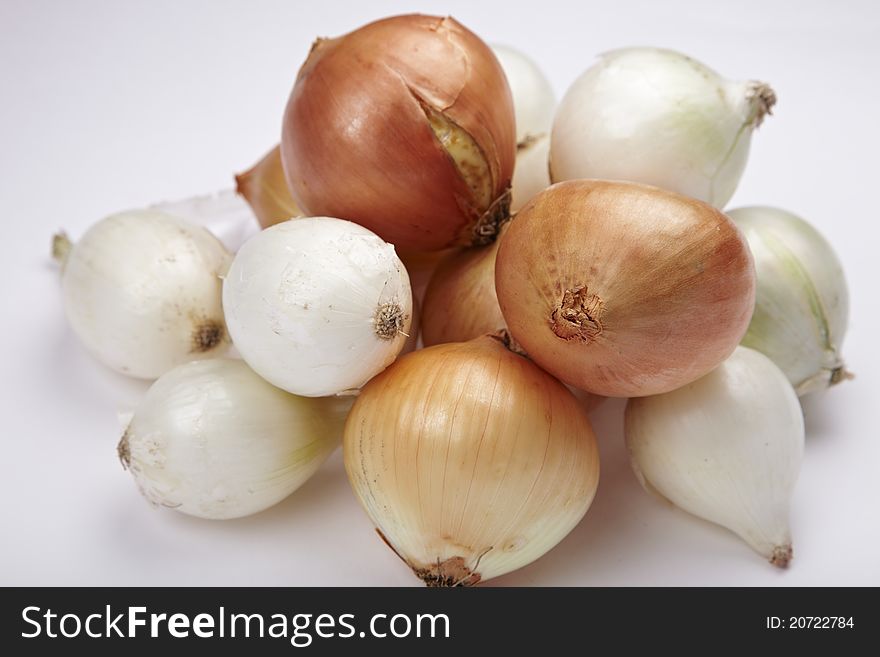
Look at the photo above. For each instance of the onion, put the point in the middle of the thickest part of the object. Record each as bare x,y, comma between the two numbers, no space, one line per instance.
264,188
405,126
460,302
802,302
317,306
658,117
727,447
214,440
142,291
622,289
470,460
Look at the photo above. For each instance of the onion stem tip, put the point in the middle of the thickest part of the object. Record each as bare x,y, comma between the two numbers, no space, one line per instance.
781,556
123,451
389,321
578,316
61,246
450,573
764,97
839,374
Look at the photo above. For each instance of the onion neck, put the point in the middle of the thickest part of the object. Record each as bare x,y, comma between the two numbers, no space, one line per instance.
123,450
489,224
578,316
761,99
61,246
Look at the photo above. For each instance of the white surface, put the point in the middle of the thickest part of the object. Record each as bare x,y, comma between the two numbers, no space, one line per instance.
112,105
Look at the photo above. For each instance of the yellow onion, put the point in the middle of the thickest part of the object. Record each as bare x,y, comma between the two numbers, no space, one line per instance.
623,289
470,460
405,126
264,188
460,302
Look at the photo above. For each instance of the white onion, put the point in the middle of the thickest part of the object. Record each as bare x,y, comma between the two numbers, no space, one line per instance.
534,103
801,301
214,440
142,291
533,98
658,117
317,306
727,448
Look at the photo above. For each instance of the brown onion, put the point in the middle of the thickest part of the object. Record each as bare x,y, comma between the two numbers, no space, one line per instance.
623,289
460,302
470,460
405,126
265,189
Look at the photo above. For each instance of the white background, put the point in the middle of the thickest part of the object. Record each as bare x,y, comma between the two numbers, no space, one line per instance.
110,105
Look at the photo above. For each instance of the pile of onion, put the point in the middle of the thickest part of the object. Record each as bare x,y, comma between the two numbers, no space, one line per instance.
474,456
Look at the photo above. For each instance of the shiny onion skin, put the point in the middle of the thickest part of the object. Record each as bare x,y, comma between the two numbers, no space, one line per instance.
460,302
361,137
470,460
624,290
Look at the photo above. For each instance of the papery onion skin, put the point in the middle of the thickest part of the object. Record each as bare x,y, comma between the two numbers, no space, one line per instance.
358,143
470,460
214,440
265,189
142,292
802,301
622,289
658,117
460,302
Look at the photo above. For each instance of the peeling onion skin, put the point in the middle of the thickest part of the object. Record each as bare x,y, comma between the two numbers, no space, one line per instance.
470,460
624,290
460,302
357,142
